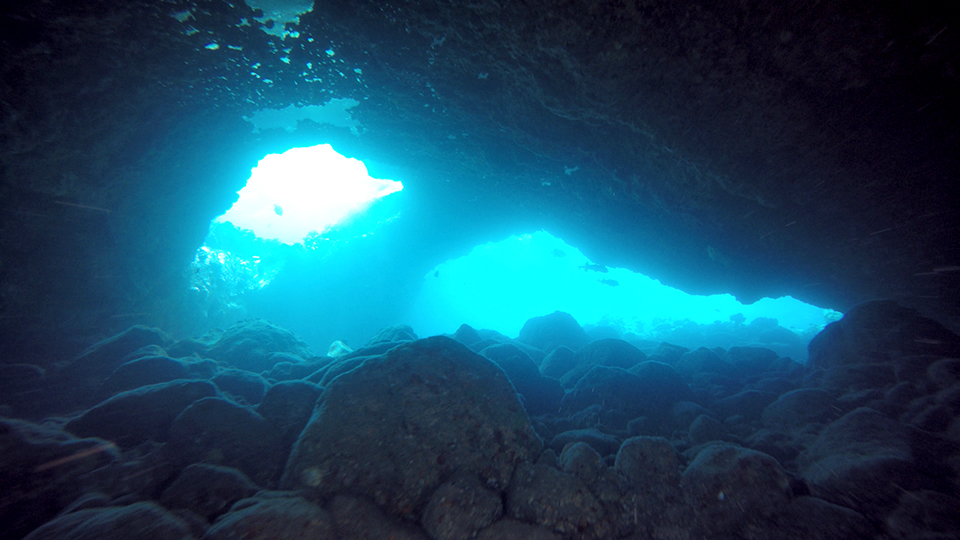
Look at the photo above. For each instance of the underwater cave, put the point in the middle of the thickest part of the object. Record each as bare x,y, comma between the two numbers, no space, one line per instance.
425,269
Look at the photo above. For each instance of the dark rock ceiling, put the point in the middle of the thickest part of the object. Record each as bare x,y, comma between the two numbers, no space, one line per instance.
758,148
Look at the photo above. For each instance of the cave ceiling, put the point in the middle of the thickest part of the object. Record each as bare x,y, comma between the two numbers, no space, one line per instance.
757,148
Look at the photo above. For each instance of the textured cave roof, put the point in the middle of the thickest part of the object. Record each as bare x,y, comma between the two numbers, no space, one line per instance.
758,148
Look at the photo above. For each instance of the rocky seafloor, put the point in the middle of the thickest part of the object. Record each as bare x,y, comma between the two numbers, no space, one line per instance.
245,434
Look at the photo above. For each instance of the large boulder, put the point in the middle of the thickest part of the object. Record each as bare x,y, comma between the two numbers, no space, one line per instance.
144,371
288,406
273,516
220,432
241,385
367,521
875,331
561,360
142,520
398,425
701,360
746,362
146,413
105,356
78,381
863,461
42,470
250,345
609,352
208,490
551,331
540,395
801,407
398,333
727,486
556,501
459,508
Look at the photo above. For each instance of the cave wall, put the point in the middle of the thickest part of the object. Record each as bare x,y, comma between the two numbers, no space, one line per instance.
806,149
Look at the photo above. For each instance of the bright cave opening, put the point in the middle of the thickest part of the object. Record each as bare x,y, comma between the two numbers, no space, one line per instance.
295,202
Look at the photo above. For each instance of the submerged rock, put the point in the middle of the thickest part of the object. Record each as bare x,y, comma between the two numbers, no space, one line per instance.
874,331
551,331
42,471
727,486
142,520
288,406
208,490
132,417
393,333
244,385
144,371
268,517
557,501
363,520
540,394
217,431
863,461
397,426
459,509
250,344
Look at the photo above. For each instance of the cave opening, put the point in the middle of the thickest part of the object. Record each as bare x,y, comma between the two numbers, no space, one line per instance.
319,209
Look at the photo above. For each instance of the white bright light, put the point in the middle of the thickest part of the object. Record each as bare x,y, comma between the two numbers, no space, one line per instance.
304,190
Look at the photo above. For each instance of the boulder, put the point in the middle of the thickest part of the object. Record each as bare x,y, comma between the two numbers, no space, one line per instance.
287,406
467,335
146,413
551,331
728,486
142,520
749,404
648,462
800,408
511,529
701,360
582,461
706,429
662,386
273,517
249,345
78,380
42,471
208,490
363,520
832,522
604,444
610,387
459,508
220,432
609,352
144,371
558,362
556,501
541,395
287,367
876,331
397,426
862,461
98,361
924,514
243,385
668,353
746,362
398,333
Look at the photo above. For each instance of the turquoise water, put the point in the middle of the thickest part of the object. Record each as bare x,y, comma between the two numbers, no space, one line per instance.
500,285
